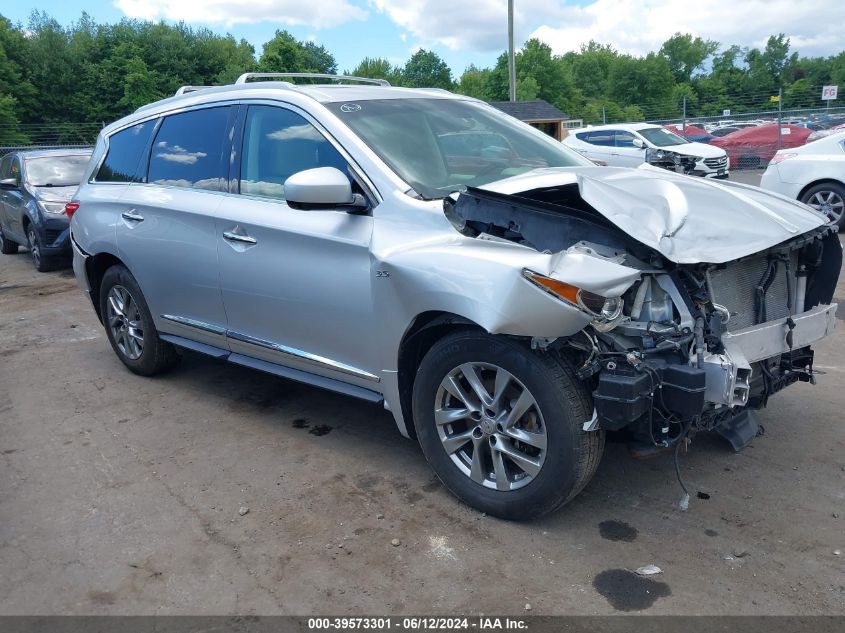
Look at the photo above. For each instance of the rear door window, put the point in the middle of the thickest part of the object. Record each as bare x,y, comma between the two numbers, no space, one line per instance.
278,143
602,138
624,139
123,157
188,150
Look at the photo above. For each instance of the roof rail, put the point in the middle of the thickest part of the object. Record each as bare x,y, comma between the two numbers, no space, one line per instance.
187,89
247,76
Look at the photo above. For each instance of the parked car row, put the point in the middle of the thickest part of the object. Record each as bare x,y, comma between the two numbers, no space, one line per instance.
753,147
633,144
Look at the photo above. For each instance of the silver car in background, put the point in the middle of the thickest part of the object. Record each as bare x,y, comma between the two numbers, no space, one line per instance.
506,300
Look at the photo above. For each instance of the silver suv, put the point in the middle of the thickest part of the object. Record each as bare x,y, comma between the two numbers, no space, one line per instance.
507,301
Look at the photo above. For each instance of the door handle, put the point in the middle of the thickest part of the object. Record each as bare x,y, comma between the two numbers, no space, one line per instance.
234,237
132,216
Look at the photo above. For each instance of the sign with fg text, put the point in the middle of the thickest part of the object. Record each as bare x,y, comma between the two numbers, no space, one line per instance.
829,93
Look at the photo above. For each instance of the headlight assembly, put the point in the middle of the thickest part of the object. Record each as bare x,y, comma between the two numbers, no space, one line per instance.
53,208
604,310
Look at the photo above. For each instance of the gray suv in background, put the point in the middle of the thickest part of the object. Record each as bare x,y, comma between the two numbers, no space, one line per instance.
35,185
505,299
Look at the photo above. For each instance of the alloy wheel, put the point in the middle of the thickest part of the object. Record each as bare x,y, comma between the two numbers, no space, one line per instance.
34,249
124,320
490,426
829,203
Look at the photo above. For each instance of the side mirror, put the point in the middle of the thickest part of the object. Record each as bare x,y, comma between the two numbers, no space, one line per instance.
638,142
9,183
321,188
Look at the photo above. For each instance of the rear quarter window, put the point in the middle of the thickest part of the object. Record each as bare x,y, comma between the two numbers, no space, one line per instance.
188,150
123,157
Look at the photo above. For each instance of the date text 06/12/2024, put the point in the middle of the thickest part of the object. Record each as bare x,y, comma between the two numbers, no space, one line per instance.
480,623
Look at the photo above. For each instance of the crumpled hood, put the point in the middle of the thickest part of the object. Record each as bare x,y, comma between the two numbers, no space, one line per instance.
686,219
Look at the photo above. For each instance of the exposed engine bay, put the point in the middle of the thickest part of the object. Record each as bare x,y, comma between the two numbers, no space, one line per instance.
686,346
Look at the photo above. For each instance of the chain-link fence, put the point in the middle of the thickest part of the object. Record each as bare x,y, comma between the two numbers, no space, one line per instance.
47,136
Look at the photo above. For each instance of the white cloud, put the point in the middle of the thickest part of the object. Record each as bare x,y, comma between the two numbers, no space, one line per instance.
318,15
641,26
631,26
479,25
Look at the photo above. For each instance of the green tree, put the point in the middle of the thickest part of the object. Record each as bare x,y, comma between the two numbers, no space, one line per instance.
527,89
426,69
9,132
686,54
284,53
475,82
376,68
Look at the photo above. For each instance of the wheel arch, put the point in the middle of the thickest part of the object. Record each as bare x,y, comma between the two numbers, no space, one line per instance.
95,268
819,181
424,331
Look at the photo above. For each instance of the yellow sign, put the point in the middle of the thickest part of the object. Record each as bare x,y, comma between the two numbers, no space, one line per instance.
774,98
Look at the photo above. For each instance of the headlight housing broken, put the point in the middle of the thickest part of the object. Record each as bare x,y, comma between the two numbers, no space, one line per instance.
604,310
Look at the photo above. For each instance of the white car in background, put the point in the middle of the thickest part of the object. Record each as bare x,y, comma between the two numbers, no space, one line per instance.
813,173
632,144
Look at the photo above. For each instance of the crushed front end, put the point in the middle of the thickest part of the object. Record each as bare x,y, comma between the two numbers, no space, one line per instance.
699,346
682,335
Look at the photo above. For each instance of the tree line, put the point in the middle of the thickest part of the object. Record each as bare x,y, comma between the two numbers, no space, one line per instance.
90,72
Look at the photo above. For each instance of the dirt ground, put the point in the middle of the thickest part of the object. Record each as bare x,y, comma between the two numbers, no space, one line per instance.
121,495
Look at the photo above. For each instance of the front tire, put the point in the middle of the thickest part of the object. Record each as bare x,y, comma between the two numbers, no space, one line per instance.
827,198
129,325
502,426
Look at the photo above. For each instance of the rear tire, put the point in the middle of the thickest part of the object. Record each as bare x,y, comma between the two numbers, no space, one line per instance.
7,246
129,325
827,198
516,455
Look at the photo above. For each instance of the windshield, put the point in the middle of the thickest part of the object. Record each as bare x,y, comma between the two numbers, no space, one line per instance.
56,171
443,145
661,137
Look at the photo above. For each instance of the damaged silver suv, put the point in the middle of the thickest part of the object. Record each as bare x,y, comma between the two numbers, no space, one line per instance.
506,300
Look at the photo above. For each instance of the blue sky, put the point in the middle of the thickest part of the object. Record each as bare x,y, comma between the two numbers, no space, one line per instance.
468,32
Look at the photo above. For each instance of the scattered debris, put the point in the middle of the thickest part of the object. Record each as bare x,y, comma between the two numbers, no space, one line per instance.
243,510
835,515
380,516
837,552
702,495
396,542
740,553
528,606
648,570
683,504
320,430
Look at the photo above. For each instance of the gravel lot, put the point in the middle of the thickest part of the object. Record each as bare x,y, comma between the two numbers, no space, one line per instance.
121,495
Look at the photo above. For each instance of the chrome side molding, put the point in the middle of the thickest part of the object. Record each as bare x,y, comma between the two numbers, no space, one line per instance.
319,361
200,325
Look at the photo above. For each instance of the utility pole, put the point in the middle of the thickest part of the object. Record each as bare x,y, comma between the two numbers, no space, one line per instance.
684,127
780,112
511,61
603,116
